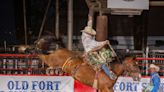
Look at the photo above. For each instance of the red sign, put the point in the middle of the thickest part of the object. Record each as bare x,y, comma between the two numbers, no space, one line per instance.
79,87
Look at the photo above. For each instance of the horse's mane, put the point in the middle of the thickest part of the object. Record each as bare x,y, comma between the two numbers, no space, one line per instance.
120,61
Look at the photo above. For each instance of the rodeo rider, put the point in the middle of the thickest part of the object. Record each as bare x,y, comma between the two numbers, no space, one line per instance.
90,44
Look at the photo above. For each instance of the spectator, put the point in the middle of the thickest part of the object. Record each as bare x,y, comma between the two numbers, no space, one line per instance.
154,80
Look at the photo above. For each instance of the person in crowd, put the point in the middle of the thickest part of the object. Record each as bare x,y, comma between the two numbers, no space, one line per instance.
154,84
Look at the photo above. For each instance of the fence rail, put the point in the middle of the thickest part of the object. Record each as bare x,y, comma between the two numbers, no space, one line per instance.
31,64
149,57
21,64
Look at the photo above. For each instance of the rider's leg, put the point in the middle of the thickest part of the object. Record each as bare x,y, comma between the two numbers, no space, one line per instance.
105,69
108,72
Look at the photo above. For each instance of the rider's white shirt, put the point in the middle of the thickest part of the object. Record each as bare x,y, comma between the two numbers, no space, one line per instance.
89,42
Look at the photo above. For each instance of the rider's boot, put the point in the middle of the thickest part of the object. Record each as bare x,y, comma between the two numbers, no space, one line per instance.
110,74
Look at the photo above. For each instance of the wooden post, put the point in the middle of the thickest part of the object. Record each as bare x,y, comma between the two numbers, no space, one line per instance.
102,28
25,23
156,3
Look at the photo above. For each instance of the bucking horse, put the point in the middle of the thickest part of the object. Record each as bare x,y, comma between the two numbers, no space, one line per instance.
74,65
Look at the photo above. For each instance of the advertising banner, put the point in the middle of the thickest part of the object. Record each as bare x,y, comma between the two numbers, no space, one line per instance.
36,84
126,84
10,83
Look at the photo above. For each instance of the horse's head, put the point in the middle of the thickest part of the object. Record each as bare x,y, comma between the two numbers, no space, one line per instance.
130,66
45,42
49,43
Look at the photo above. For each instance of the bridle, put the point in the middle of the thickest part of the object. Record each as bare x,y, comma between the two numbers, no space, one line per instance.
128,68
134,73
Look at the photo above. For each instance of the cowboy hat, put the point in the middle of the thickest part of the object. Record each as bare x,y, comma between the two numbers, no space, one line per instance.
89,30
154,66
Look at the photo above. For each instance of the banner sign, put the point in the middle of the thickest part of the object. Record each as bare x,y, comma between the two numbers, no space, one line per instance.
9,83
128,4
36,84
79,87
126,84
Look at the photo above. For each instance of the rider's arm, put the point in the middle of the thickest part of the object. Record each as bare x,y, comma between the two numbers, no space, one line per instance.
98,45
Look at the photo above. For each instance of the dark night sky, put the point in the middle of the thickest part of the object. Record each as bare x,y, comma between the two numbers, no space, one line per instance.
7,23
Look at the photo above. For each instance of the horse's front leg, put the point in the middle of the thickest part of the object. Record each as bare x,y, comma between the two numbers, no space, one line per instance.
111,90
105,89
50,71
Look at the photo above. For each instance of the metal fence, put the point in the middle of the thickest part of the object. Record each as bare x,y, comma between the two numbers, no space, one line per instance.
149,57
31,64
21,64
158,56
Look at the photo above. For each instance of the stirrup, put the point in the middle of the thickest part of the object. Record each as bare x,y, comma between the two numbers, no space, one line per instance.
113,76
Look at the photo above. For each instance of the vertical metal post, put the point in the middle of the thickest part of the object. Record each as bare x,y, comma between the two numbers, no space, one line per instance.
24,17
5,46
44,19
143,61
57,20
147,63
70,23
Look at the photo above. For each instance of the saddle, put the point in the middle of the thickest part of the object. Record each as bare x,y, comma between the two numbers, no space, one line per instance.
99,56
